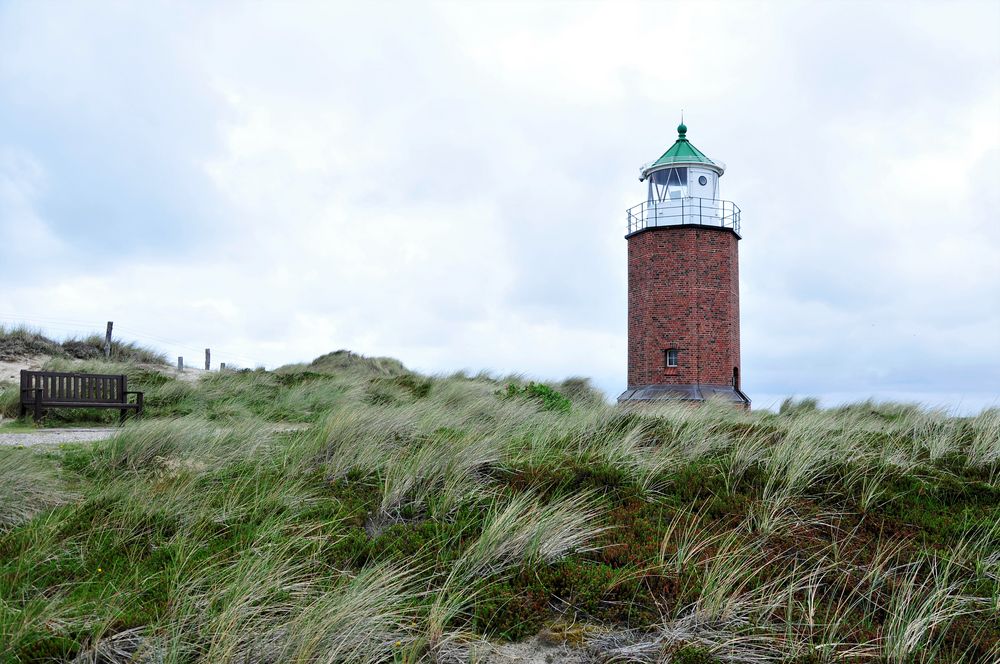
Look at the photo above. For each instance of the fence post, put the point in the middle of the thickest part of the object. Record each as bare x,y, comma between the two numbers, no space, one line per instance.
208,359
107,341
180,363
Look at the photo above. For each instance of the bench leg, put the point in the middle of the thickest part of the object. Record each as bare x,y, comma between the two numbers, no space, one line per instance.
121,416
22,410
38,406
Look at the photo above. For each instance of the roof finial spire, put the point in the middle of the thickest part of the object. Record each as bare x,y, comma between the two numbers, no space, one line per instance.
682,128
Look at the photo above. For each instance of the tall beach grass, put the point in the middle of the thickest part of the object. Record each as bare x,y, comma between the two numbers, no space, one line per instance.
349,510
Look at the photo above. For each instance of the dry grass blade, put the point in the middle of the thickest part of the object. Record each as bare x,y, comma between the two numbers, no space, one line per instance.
518,532
28,485
984,450
363,620
724,642
131,646
445,468
233,605
171,447
682,544
919,610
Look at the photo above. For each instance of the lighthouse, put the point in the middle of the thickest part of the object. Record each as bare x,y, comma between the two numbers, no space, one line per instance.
683,283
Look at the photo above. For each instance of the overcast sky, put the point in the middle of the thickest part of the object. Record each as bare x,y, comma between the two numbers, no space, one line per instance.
446,183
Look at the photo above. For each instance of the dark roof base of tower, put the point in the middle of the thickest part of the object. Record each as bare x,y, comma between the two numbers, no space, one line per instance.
693,393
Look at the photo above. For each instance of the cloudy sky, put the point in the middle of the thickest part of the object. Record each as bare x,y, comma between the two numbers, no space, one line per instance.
446,183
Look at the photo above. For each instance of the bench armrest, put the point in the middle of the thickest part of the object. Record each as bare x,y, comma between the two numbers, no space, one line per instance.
139,400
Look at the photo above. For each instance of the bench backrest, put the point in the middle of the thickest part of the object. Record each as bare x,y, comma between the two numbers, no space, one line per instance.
58,386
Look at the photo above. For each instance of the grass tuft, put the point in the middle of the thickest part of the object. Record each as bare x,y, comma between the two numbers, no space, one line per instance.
29,485
19,342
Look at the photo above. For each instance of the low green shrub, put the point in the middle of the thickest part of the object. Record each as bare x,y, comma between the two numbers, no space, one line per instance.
692,655
543,394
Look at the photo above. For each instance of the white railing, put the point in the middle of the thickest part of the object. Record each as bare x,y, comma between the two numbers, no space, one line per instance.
683,212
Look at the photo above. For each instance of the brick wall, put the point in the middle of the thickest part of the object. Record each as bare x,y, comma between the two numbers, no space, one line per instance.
683,293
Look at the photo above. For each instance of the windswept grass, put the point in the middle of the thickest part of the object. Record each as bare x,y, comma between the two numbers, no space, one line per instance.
23,342
350,510
91,347
169,447
521,532
29,485
20,341
10,397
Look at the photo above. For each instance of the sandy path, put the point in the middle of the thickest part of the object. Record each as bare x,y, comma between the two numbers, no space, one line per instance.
88,434
10,370
56,436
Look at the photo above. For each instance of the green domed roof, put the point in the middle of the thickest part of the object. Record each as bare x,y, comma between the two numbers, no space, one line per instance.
681,152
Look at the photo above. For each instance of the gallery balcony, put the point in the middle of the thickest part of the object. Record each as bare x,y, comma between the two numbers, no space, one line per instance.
687,211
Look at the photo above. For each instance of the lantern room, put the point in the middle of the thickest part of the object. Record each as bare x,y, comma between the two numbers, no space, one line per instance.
682,171
683,189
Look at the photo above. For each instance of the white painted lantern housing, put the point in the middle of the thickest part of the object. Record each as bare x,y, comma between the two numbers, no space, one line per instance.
683,187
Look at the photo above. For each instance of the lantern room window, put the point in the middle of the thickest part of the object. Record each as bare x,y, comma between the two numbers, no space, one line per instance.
668,184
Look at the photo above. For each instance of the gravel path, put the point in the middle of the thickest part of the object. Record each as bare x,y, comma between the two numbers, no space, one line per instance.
56,436
86,434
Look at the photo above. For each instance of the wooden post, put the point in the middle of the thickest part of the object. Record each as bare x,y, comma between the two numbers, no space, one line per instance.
107,341
208,359
180,363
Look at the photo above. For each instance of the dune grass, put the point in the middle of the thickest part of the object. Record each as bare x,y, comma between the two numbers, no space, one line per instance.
28,485
21,341
407,518
91,347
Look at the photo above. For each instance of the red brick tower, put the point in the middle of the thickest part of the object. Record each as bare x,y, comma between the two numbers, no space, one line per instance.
683,283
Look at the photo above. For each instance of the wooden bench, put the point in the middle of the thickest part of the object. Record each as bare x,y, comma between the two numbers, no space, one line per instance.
41,390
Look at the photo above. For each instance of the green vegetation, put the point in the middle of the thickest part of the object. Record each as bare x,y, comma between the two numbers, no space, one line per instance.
549,399
349,510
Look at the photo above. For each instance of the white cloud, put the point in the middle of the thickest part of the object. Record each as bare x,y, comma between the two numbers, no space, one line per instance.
445,183
25,232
